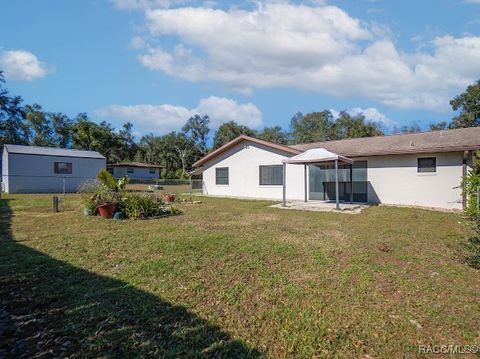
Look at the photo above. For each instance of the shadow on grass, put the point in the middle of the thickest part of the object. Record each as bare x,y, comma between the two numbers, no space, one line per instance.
50,308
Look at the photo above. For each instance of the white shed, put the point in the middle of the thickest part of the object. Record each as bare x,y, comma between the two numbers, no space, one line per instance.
32,169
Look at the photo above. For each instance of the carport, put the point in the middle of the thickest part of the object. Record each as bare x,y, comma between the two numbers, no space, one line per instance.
317,156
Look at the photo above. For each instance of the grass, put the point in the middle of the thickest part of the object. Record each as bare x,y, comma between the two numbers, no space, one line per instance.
232,278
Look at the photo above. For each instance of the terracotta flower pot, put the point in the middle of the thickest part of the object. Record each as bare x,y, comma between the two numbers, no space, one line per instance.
107,210
170,197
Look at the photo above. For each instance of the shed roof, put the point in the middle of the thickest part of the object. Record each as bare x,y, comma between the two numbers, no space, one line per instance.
52,151
134,164
316,155
423,142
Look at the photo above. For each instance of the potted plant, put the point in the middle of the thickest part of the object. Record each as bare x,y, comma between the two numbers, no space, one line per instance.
170,197
109,192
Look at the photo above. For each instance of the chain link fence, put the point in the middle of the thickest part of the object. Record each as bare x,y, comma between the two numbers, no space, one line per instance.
73,184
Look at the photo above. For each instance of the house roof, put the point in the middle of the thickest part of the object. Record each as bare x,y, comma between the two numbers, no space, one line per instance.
135,164
241,138
424,142
462,139
51,151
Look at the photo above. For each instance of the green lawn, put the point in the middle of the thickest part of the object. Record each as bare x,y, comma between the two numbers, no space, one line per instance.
232,278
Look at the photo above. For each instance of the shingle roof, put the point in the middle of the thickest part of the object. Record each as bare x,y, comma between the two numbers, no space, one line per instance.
51,151
424,142
134,164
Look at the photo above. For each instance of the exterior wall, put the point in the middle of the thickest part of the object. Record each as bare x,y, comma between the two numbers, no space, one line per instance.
395,180
243,162
35,174
138,173
391,179
4,170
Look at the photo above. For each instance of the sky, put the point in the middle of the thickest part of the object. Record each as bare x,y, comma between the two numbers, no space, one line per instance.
155,63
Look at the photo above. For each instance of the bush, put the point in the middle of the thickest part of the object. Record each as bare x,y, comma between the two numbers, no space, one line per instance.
473,246
470,187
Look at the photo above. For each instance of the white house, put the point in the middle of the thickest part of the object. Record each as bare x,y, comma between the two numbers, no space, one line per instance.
31,169
422,169
135,170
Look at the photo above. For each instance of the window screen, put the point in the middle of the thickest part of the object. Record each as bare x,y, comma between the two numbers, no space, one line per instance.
271,175
129,170
152,171
221,175
64,168
428,164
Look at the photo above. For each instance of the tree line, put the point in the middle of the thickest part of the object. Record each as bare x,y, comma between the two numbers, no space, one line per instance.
31,125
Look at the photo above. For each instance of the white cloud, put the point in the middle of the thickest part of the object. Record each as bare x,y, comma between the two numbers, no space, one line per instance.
372,114
22,65
165,118
318,48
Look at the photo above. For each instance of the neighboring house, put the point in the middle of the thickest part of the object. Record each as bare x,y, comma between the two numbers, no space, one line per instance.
31,169
422,169
135,170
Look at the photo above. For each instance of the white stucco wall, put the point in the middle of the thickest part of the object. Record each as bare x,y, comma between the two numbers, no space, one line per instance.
391,179
243,162
35,174
138,173
395,180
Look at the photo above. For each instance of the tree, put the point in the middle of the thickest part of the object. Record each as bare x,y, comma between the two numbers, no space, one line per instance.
439,126
228,131
413,128
468,103
63,128
40,126
13,129
197,130
175,151
127,142
274,134
313,127
347,126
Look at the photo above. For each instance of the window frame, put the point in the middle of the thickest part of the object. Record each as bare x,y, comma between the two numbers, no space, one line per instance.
269,184
422,169
217,169
62,171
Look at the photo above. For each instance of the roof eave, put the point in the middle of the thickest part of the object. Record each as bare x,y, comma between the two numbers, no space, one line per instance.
239,139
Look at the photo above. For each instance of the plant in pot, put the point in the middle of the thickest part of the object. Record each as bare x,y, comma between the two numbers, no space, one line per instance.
90,198
109,192
170,197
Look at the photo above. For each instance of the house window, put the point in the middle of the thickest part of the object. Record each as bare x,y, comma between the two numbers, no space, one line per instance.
152,171
64,168
427,164
271,175
221,175
129,170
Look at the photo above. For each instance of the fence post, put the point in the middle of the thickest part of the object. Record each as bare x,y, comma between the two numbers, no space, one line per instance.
191,185
55,203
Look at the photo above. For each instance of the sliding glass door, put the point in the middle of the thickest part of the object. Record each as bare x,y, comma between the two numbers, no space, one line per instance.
322,182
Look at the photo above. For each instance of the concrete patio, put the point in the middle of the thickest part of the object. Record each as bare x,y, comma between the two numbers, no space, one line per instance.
323,206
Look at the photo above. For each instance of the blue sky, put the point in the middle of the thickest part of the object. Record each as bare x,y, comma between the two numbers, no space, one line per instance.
156,62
